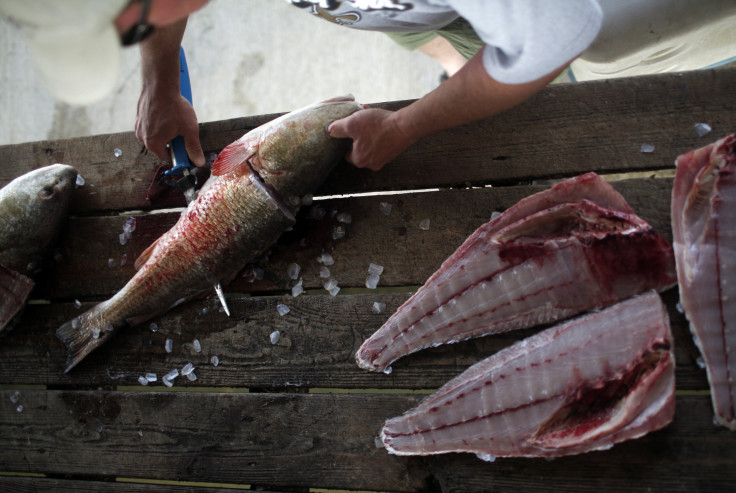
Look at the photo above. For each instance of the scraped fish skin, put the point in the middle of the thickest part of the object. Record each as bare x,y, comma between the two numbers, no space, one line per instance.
240,211
33,209
551,256
704,234
580,386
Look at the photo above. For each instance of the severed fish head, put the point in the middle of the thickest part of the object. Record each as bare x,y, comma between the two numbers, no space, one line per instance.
32,210
292,154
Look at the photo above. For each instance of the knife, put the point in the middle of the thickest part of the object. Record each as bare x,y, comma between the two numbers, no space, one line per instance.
180,159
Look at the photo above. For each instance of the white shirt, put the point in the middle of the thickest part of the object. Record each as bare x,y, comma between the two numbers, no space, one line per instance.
525,39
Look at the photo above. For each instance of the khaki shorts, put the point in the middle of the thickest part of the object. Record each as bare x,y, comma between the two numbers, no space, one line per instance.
459,33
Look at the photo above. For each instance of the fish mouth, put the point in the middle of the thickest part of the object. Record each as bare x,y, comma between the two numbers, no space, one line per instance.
607,405
277,199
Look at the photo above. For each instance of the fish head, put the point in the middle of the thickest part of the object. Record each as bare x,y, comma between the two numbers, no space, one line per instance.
292,154
32,210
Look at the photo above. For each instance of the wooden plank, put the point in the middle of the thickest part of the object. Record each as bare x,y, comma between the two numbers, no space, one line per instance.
564,130
327,441
13,484
319,337
93,258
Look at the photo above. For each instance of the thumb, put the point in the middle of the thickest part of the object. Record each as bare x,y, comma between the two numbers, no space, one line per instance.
193,146
338,129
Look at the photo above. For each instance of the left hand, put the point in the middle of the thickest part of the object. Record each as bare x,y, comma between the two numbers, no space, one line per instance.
377,138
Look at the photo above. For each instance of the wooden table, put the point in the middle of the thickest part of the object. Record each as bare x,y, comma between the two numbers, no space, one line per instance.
300,414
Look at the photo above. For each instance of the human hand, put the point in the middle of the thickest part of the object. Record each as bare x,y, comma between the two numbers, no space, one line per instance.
377,139
161,117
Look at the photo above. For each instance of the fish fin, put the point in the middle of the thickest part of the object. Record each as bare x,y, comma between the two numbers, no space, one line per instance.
145,255
83,334
14,291
232,157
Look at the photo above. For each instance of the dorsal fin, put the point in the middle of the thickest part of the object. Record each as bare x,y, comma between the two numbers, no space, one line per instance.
143,257
232,157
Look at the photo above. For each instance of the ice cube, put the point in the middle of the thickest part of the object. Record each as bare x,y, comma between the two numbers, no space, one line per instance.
495,214
171,375
646,148
123,259
334,290
297,289
338,232
154,327
325,259
293,270
14,397
330,284
167,382
424,224
702,129
282,309
344,217
123,238
117,152
191,376
385,208
19,408
111,262
169,345
196,345
151,377
324,272
215,360
187,369
142,380
486,457
77,304
275,336
307,199
371,282
375,269
378,307
80,180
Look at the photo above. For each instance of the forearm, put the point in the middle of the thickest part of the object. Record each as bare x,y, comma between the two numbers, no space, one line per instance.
470,95
160,58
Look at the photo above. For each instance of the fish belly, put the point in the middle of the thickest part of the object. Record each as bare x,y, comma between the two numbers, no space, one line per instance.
579,386
704,231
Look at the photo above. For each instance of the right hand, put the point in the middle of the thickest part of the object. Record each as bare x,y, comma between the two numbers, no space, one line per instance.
161,117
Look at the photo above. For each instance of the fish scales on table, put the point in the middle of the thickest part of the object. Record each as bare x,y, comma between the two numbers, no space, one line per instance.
583,385
704,235
33,210
241,210
565,250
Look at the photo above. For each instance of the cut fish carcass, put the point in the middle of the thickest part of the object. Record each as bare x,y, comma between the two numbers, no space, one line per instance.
555,254
582,385
704,234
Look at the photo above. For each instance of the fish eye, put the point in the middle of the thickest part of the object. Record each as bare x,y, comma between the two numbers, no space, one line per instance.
46,193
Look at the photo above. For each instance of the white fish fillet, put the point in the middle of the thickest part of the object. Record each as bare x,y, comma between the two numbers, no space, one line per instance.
568,249
583,385
704,233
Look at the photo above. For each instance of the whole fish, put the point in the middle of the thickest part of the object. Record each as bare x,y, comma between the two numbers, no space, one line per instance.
583,385
240,211
33,209
571,248
704,234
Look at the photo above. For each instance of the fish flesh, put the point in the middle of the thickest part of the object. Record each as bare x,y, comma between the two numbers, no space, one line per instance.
704,236
583,385
33,210
567,249
249,200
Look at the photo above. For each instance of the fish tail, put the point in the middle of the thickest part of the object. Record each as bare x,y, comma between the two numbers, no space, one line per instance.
85,333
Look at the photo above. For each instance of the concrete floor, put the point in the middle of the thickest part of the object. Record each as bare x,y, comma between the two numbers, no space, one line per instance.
245,58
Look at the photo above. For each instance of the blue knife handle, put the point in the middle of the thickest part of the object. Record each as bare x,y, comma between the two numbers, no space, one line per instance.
179,151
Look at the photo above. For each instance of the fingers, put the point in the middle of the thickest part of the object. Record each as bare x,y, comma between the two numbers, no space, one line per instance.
193,145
